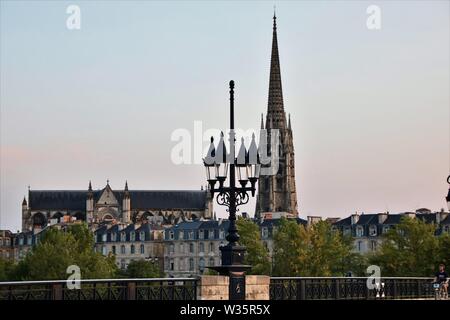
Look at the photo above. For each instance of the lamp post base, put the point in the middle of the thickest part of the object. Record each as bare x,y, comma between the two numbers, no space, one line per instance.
234,267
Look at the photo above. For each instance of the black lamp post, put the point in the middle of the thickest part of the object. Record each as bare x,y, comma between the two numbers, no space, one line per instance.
247,167
447,198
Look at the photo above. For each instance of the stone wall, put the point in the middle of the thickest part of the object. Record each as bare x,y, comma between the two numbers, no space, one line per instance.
257,287
213,288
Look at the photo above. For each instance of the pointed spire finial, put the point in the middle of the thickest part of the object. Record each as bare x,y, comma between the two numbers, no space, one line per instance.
90,186
24,202
274,17
262,121
126,185
289,122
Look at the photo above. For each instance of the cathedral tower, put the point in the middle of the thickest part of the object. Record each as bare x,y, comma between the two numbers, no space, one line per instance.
277,193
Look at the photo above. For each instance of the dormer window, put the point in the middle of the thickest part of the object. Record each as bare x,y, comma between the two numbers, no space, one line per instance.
113,236
359,231
347,231
373,231
201,234
191,235
171,235
386,229
133,236
142,236
123,236
104,237
181,235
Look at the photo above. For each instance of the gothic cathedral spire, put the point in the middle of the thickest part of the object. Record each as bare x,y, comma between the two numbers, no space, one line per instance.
277,193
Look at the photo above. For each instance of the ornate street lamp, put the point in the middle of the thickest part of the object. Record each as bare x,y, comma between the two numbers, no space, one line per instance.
247,167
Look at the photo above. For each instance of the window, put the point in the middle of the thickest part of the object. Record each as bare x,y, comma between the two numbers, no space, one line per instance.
373,231
359,245
265,233
201,234
104,237
142,250
447,229
211,234
29,240
347,231
211,247
104,250
385,229
191,247
21,241
211,262
172,265
181,265
122,264
142,236
201,264
171,248
191,264
133,236
123,236
122,249
201,247
373,245
7,242
113,236
171,235
113,249
182,247
359,231
221,234
181,235
191,235
132,249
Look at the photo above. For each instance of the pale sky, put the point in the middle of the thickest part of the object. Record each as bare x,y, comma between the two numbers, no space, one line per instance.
369,108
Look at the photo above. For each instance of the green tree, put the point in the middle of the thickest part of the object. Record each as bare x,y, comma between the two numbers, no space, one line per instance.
409,249
143,269
444,250
59,249
314,250
6,269
257,255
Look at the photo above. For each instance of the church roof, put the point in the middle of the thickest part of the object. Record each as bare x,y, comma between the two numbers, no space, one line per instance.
140,199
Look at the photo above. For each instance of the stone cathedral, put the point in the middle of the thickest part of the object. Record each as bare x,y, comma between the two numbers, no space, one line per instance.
277,193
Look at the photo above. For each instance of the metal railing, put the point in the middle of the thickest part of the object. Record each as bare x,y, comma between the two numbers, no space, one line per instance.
349,288
102,289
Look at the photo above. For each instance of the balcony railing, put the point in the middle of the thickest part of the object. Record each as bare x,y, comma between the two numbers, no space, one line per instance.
102,289
349,288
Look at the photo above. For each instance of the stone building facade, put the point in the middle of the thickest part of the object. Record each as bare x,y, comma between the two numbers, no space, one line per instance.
191,247
6,245
46,207
367,230
277,192
131,242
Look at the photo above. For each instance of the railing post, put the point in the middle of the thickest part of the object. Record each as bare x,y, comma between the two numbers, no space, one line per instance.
57,291
131,291
302,289
337,294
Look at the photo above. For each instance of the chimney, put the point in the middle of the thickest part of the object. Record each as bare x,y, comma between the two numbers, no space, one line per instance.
355,218
382,217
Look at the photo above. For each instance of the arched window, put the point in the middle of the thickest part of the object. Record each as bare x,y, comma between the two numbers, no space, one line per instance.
142,249
191,264
142,236
133,249
191,248
211,247
122,249
201,247
132,236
